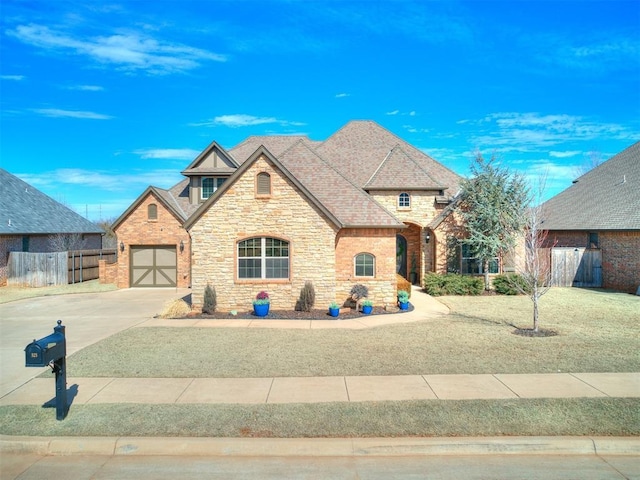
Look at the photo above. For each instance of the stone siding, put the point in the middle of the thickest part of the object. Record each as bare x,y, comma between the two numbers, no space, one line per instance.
137,229
286,214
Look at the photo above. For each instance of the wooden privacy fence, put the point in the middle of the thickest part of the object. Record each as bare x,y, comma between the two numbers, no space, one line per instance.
83,264
55,268
37,269
576,267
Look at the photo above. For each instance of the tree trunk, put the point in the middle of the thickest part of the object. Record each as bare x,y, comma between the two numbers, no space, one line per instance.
486,275
535,313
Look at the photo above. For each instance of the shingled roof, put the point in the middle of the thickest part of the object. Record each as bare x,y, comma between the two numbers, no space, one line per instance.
605,198
276,144
25,210
361,149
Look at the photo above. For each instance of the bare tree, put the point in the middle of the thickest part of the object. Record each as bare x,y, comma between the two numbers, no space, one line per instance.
591,161
64,242
535,269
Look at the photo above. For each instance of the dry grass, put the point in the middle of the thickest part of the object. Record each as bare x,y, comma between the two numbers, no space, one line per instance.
11,294
598,332
175,309
608,416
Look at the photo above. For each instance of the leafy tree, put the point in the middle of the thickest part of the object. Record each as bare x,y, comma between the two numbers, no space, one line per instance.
492,207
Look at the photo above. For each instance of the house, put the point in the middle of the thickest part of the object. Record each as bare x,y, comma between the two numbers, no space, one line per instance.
598,218
31,221
276,211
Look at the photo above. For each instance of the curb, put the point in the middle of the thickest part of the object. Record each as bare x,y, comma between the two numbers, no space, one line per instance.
319,447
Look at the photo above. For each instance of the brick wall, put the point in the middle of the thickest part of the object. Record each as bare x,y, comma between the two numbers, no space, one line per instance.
108,272
620,260
620,255
137,229
381,243
238,215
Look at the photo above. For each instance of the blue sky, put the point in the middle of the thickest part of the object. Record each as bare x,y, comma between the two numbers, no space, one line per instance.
101,99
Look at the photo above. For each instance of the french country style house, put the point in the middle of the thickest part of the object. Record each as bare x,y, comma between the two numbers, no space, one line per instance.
276,211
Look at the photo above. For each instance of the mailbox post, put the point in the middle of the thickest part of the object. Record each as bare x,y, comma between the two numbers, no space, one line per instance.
52,351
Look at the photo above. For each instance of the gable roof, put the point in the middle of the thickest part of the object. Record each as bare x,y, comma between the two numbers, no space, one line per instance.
176,200
605,198
276,144
361,147
320,184
26,210
197,167
400,171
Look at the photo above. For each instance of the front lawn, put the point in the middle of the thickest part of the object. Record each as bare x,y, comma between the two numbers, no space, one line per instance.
597,332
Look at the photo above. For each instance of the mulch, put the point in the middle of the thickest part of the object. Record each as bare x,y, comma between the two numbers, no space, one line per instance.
314,314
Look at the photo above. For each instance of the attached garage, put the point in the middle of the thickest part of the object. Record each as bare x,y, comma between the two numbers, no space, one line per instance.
153,266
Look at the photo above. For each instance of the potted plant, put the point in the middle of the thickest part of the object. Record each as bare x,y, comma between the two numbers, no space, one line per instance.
367,306
403,299
261,304
334,309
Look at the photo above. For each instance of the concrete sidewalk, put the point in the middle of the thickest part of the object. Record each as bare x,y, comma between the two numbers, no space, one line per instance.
329,389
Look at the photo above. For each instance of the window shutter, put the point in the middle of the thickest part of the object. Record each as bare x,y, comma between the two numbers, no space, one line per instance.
264,184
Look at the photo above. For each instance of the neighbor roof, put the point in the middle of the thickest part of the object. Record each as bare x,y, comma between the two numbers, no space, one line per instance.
26,210
605,198
361,149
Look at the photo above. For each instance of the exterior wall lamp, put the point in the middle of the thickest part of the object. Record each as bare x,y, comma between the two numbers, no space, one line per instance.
427,237
121,247
181,246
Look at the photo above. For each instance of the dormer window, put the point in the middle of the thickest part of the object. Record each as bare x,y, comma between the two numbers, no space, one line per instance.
404,200
210,185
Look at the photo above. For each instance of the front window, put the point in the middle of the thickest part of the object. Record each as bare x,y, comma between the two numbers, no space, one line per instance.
364,265
473,265
263,257
210,185
404,200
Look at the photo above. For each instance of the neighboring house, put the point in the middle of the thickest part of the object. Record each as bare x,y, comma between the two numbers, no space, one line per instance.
31,221
277,211
600,215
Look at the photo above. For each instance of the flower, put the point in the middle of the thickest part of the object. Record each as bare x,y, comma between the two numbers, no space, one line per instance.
262,298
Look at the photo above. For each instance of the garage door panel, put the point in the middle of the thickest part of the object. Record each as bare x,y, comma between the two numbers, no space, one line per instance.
153,266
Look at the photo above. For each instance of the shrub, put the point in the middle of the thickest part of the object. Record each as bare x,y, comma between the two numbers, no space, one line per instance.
210,300
359,291
307,298
452,284
510,284
403,284
175,309
403,296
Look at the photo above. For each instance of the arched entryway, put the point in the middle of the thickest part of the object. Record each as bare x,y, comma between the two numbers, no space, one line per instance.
409,253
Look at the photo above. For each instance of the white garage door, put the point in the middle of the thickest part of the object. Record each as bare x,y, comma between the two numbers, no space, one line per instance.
153,266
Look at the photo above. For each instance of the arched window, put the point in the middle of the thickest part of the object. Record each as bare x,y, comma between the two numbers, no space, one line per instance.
263,184
152,212
365,265
404,200
263,257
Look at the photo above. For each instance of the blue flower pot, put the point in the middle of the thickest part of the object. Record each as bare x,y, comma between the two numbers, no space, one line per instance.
366,309
261,310
403,305
334,312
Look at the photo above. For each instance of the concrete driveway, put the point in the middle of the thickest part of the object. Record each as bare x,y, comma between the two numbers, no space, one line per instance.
88,318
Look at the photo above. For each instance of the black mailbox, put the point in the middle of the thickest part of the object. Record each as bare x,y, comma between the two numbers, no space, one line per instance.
41,353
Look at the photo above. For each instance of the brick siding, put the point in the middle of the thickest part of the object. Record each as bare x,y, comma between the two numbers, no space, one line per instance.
137,229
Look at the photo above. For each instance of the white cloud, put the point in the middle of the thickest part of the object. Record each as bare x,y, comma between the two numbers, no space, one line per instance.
168,153
243,120
394,112
343,95
87,88
130,50
569,153
59,113
12,77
